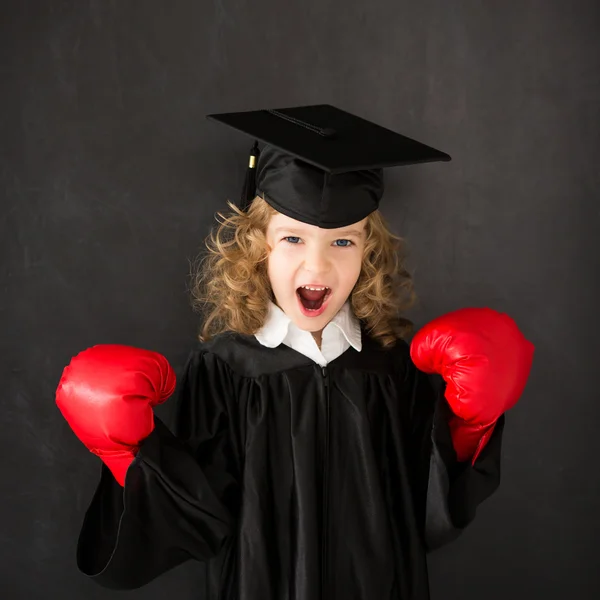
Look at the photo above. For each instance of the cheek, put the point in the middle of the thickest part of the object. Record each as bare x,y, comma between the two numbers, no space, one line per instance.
348,273
278,268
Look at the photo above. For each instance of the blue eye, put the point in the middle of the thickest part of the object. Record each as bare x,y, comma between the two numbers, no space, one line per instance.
292,239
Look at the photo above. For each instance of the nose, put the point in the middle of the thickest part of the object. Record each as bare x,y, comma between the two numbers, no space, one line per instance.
316,260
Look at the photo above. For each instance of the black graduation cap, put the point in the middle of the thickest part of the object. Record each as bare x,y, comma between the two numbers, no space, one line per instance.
321,165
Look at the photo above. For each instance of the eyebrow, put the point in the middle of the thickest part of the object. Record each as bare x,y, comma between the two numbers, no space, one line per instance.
348,232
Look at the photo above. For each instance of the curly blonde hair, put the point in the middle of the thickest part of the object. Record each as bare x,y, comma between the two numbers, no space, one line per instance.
230,285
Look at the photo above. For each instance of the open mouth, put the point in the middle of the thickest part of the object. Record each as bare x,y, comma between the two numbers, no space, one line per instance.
312,299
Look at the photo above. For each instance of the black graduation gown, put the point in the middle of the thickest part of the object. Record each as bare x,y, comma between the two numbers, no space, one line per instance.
291,481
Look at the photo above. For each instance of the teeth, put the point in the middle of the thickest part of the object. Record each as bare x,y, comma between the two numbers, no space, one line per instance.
315,289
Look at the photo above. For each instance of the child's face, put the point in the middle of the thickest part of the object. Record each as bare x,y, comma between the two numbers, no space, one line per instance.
306,255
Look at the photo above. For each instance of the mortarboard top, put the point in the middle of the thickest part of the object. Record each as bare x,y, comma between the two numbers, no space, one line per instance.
322,165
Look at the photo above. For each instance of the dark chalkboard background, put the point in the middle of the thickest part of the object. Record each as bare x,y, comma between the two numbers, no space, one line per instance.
110,177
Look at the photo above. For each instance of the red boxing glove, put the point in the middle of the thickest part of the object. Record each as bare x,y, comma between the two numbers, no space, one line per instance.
106,394
485,361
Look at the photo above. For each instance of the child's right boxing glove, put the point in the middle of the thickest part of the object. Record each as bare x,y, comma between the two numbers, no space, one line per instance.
106,394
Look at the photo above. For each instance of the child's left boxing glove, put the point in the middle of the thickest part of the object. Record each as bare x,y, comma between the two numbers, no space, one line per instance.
485,361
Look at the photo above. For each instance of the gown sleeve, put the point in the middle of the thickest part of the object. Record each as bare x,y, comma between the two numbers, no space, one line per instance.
447,492
179,497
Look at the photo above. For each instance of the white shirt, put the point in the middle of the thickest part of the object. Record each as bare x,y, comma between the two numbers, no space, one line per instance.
339,334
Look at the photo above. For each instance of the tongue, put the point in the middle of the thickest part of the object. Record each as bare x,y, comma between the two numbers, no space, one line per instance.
311,298
311,294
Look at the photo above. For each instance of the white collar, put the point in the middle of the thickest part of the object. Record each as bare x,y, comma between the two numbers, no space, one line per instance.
278,325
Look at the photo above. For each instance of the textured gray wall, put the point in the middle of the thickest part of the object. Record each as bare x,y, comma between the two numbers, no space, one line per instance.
110,177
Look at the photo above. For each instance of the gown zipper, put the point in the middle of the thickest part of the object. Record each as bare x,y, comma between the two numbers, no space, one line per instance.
324,541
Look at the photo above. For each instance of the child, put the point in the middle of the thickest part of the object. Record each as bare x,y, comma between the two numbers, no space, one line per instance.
311,459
